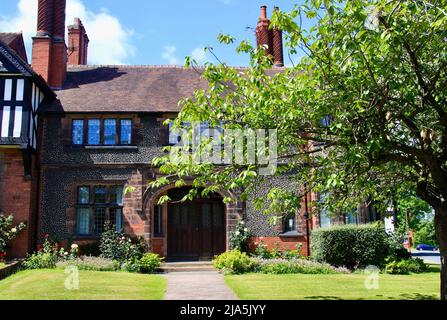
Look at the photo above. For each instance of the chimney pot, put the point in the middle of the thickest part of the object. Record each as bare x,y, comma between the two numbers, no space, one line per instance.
264,12
77,43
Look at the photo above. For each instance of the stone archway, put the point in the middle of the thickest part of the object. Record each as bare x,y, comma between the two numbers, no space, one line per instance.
199,212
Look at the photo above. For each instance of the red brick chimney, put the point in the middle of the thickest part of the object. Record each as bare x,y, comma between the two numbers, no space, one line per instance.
263,34
271,38
278,54
49,56
77,43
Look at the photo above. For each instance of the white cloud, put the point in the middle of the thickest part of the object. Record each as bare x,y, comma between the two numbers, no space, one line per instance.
199,55
169,55
110,41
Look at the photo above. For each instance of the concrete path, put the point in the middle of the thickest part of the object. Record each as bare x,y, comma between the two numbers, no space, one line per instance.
206,285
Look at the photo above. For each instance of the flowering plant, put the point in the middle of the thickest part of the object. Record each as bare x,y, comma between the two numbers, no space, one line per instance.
239,237
71,254
117,246
8,231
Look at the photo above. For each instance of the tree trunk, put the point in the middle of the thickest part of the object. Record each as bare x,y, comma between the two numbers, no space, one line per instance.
441,236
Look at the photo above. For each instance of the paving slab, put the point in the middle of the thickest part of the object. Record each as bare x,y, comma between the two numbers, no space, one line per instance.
206,285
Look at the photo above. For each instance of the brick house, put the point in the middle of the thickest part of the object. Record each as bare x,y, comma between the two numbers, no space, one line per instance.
23,92
98,128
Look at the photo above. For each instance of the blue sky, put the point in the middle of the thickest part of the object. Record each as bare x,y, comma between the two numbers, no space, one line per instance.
141,32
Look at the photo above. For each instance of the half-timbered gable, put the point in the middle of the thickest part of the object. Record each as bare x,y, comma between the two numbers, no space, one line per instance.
21,93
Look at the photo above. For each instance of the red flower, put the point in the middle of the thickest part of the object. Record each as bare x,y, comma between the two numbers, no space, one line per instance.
39,248
2,254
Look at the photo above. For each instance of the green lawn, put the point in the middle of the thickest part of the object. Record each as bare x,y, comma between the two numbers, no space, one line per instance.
93,285
333,287
2,265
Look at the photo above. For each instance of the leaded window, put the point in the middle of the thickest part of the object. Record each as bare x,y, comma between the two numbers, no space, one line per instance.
97,205
110,131
158,220
78,132
107,132
126,131
94,130
289,223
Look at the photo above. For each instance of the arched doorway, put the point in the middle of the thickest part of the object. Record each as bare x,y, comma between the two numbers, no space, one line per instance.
196,229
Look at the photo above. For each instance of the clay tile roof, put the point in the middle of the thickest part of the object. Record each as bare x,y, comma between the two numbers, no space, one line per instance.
125,89
14,40
9,37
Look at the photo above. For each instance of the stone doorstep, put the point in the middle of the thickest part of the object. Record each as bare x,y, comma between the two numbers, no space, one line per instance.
196,266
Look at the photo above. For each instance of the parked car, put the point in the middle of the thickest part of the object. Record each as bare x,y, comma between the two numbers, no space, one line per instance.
426,247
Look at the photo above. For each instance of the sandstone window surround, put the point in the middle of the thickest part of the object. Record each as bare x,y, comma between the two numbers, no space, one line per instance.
96,205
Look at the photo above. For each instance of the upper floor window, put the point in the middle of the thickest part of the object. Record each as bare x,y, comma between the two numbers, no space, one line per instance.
101,132
126,131
110,131
94,131
77,131
14,89
202,129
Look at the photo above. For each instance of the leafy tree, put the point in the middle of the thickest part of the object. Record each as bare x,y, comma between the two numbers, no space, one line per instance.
425,233
412,210
376,70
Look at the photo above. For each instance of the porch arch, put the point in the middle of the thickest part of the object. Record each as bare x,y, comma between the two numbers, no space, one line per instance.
232,212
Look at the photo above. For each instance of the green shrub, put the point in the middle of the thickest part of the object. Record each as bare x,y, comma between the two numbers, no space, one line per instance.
40,260
396,250
234,261
91,264
292,254
283,266
262,251
45,258
150,262
352,246
405,266
116,246
130,266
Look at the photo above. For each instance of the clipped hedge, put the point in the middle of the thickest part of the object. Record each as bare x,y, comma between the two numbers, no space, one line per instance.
351,246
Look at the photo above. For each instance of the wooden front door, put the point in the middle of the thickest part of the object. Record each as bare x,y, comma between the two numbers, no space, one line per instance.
196,229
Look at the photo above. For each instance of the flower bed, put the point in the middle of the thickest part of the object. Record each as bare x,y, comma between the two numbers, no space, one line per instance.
117,252
295,265
235,262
